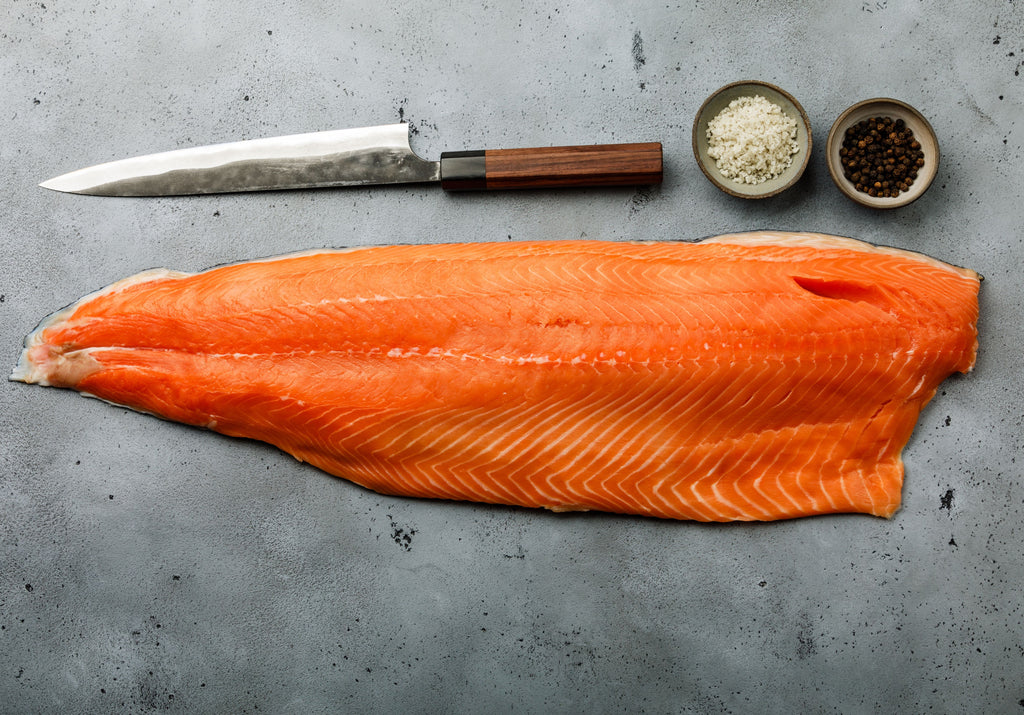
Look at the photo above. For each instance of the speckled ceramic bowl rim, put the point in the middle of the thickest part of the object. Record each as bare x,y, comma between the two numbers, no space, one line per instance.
917,123
707,165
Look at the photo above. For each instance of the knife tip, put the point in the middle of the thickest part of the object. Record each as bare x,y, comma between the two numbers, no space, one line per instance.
51,184
67,184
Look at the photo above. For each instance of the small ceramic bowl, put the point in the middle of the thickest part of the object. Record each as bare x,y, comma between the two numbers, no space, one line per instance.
719,101
894,109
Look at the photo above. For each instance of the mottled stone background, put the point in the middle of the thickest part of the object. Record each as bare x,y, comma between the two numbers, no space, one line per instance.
149,566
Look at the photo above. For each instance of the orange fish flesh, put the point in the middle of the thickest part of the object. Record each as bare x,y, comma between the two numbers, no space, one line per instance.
753,376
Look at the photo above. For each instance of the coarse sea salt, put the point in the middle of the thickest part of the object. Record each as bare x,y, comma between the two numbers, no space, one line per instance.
752,140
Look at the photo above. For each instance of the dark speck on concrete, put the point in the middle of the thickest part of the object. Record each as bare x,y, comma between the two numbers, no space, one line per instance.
997,40
520,554
639,60
402,535
640,199
806,647
946,500
28,587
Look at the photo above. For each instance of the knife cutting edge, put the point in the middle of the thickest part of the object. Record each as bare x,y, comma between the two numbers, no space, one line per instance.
356,157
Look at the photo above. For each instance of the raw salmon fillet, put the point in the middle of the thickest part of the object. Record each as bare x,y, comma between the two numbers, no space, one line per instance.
751,376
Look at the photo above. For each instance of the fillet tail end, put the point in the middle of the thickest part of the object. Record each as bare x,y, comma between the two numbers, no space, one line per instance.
51,366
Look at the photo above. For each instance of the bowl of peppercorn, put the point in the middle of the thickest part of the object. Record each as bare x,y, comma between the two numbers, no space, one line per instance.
882,153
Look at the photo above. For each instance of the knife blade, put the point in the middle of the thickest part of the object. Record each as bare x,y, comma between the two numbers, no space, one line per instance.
356,157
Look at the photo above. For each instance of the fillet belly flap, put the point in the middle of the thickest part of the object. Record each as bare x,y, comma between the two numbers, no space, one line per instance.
751,376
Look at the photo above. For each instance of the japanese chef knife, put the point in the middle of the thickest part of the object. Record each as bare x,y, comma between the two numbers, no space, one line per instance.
354,157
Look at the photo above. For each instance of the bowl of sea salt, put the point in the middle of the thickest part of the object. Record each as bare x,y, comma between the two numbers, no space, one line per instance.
752,139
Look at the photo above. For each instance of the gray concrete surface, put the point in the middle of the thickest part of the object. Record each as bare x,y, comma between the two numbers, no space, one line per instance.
149,566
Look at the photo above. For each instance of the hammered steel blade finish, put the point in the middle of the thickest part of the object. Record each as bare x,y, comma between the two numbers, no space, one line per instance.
345,157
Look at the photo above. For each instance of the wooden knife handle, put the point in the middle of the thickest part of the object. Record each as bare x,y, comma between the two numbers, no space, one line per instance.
552,167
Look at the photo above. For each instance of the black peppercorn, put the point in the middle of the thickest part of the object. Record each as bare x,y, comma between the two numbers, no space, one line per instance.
880,156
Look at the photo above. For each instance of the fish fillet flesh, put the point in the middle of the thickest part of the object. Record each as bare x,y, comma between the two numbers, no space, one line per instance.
754,376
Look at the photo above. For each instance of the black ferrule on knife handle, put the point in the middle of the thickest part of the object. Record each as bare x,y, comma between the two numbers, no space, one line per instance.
552,167
463,170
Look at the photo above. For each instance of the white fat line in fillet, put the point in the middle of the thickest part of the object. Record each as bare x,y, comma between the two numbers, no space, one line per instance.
556,421
584,273
742,426
862,375
327,443
592,273
915,392
777,396
698,481
815,400
696,501
682,283
752,506
568,279
658,452
886,446
400,430
686,442
597,267
661,402
842,474
656,276
777,476
858,369
475,432
644,314
722,405
626,275
473,426
666,314
519,277
605,468
836,442
374,465
668,395
710,321
613,313
287,411
665,275
398,457
710,470
307,308
485,431
625,412
778,453
889,443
